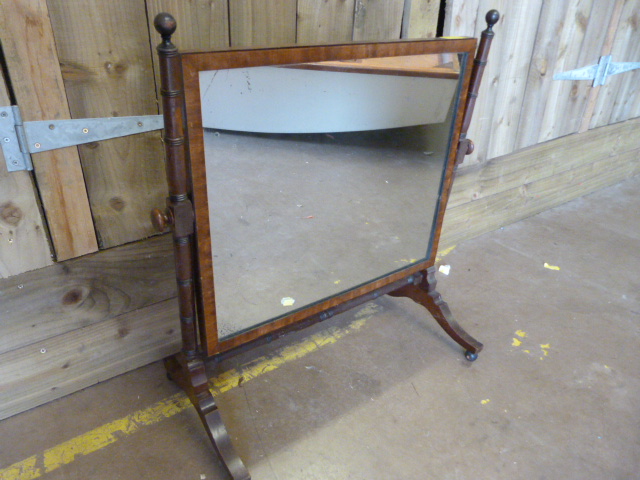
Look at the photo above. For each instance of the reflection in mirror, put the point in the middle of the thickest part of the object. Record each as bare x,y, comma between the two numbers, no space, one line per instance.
321,177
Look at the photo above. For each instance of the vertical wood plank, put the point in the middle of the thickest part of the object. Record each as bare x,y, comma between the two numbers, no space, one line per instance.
257,23
462,16
377,20
571,35
423,19
619,97
509,65
328,21
23,242
606,50
202,24
27,39
501,94
103,46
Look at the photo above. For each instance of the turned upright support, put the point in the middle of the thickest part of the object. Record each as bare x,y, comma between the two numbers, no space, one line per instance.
187,369
179,211
479,62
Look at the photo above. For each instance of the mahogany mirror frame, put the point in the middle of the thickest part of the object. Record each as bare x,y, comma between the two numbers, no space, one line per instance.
187,209
192,65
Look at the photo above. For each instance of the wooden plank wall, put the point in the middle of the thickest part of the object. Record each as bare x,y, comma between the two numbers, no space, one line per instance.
519,103
75,323
97,316
533,150
21,224
29,50
106,63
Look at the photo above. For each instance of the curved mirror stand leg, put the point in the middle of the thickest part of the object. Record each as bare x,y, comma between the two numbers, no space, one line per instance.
191,376
424,293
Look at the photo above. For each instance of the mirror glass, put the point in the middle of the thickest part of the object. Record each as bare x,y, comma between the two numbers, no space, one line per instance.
321,177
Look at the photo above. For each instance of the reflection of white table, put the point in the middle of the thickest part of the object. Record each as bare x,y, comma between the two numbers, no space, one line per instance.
323,98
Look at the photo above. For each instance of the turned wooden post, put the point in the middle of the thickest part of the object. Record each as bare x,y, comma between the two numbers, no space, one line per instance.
479,62
179,212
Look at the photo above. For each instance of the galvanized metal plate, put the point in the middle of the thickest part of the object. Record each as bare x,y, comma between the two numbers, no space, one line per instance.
49,135
12,149
598,73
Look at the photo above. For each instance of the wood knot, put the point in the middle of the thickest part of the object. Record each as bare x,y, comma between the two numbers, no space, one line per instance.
10,213
543,64
117,203
72,297
574,91
115,69
123,332
75,72
582,21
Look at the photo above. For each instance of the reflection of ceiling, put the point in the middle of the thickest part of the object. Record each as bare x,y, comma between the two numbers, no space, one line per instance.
437,66
292,100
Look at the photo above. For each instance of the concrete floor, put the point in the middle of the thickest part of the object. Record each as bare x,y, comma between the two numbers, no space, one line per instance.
554,395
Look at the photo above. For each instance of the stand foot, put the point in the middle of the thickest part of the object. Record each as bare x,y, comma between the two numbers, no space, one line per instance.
191,376
424,292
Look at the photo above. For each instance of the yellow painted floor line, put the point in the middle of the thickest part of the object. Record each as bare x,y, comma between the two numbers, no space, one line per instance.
65,453
443,253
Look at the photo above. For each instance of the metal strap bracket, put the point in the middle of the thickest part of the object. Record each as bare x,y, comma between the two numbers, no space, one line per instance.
598,73
19,139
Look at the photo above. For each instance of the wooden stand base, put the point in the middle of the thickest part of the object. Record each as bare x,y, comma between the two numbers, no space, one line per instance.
192,377
424,292
190,374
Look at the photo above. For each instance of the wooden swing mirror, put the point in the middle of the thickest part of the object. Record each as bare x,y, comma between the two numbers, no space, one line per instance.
310,180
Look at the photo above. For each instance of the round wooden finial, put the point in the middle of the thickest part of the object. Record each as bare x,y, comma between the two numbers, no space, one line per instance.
165,24
492,18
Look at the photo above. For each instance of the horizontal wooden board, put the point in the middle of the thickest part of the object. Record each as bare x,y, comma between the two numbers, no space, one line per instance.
544,160
492,212
82,292
50,369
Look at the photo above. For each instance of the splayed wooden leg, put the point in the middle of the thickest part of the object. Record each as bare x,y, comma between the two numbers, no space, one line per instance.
424,292
191,376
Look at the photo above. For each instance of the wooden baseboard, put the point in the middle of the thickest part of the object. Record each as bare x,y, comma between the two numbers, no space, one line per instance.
53,368
516,186
74,324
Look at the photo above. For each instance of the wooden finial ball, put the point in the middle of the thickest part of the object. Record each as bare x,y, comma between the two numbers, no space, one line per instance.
165,24
492,17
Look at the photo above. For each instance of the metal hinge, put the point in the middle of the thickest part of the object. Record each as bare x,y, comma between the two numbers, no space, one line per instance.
20,139
598,73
